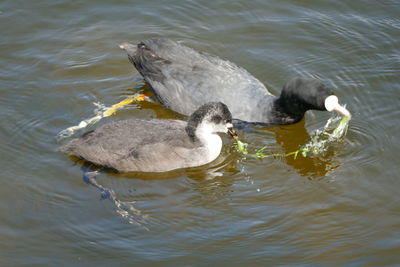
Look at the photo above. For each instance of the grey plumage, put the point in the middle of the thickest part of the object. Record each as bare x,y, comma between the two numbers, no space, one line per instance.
149,145
183,78
177,72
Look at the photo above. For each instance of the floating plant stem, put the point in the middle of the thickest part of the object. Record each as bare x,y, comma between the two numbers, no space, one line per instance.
342,127
318,144
241,147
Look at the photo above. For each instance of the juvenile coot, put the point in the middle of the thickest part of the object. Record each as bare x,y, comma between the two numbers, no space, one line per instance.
156,145
183,79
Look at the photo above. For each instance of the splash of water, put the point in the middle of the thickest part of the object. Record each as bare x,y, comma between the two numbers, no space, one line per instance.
321,140
334,130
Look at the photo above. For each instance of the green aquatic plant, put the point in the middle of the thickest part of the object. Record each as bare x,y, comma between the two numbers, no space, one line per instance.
241,147
341,130
319,142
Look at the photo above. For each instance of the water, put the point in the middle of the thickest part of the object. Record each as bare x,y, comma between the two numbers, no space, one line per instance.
58,57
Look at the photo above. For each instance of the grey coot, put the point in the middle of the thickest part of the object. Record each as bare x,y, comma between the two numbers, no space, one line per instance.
155,145
183,79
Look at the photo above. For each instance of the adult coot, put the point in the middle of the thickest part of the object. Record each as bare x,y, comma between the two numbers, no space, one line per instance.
183,79
156,145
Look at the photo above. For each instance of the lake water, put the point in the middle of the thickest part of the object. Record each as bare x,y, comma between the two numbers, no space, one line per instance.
342,208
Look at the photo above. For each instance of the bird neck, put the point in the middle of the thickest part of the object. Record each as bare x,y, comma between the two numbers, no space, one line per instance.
210,140
278,111
288,111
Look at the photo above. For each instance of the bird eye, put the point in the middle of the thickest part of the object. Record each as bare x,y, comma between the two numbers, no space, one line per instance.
216,119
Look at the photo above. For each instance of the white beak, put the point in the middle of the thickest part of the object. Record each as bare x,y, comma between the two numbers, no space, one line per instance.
332,104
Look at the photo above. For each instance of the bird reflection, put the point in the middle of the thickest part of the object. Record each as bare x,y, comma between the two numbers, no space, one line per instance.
291,138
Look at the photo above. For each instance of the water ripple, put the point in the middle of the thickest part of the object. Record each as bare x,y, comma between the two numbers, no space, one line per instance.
58,57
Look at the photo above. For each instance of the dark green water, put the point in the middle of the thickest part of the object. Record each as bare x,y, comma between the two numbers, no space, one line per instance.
343,208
